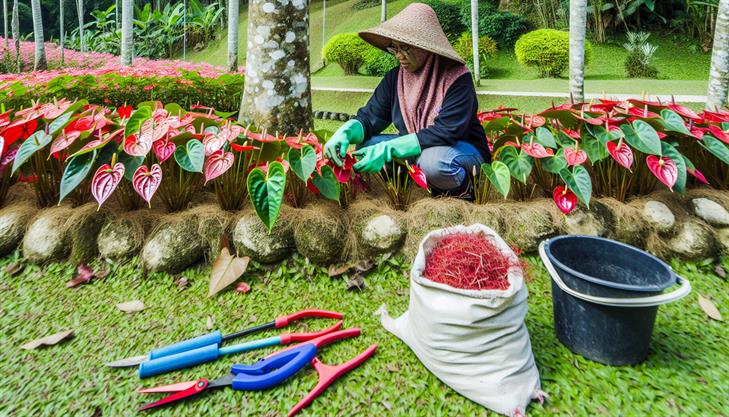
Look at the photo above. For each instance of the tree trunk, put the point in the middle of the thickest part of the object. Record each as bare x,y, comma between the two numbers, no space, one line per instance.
233,20
719,72
578,27
5,25
277,92
474,44
116,14
383,12
184,30
80,13
60,30
15,25
127,35
40,63
323,27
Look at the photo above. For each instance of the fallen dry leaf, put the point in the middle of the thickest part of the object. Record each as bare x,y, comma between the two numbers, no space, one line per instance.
364,265
709,308
719,271
131,306
243,287
209,325
387,405
182,282
336,270
84,274
356,282
48,340
393,367
14,268
226,270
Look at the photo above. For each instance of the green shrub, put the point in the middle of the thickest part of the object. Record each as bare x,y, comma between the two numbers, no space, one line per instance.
486,48
503,27
449,15
347,50
548,50
640,54
378,62
485,9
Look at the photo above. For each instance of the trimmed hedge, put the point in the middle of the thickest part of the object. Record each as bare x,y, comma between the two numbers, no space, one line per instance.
347,50
378,62
548,50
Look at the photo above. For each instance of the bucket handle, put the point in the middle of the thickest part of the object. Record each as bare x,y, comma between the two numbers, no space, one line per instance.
651,301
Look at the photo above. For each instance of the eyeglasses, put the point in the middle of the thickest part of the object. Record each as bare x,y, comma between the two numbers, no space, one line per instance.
394,49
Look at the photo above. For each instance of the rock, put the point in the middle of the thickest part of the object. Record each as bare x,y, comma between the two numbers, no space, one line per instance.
120,238
694,241
319,234
213,225
13,221
86,222
382,234
711,211
659,216
174,245
593,221
47,238
251,238
722,237
528,225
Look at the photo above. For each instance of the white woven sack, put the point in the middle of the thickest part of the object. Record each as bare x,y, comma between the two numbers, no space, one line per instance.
474,341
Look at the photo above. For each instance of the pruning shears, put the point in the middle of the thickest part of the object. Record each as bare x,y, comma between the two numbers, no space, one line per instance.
207,347
269,372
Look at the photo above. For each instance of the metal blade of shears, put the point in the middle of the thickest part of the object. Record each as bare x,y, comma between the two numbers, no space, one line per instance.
127,362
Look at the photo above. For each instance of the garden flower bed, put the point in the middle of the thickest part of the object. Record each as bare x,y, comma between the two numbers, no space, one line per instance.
197,170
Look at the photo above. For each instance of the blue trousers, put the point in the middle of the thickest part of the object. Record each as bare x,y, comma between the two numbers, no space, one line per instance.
447,168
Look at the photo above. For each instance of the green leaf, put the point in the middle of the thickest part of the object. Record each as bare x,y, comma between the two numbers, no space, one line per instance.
76,170
269,151
500,123
175,109
59,123
224,114
303,162
595,150
708,142
519,163
498,175
546,138
131,163
673,122
671,152
137,118
554,164
642,137
578,180
191,157
327,183
266,192
30,146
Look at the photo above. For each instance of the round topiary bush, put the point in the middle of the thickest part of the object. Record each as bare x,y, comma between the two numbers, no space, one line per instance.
548,50
486,48
378,62
347,50
449,16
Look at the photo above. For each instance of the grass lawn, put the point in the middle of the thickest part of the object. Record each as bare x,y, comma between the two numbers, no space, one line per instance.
685,374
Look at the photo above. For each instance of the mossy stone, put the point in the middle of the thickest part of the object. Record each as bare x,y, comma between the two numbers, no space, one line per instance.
251,238
47,238
381,233
120,238
13,221
174,246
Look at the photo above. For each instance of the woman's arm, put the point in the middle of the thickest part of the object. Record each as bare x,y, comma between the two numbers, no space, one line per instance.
376,115
455,117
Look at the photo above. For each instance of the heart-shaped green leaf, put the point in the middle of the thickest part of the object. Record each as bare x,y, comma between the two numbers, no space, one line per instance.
327,183
578,180
595,150
642,137
191,157
519,163
671,152
131,163
266,191
135,121
715,147
303,162
76,170
546,138
673,122
554,164
498,175
33,144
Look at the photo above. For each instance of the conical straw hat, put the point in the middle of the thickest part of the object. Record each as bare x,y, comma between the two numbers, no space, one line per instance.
416,25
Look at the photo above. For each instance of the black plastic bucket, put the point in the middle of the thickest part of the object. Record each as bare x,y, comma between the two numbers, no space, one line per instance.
605,296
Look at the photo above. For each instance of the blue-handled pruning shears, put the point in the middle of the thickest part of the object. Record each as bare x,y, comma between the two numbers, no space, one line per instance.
270,372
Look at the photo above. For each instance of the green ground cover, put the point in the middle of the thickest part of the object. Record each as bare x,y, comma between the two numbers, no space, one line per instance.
685,374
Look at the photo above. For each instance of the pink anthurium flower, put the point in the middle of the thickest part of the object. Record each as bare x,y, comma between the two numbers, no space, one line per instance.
536,150
565,199
574,156
213,142
217,163
135,145
146,181
621,153
571,133
164,150
698,175
153,131
664,169
63,141
105,181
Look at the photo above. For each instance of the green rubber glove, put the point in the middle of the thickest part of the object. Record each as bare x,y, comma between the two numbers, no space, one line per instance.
373,158
351,132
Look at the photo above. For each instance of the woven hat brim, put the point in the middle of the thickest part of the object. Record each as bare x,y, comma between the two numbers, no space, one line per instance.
381,38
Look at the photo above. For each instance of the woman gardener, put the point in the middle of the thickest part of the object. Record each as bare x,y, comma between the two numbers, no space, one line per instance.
429,98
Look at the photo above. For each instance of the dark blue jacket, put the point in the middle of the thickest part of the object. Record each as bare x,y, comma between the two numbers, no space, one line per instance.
455,122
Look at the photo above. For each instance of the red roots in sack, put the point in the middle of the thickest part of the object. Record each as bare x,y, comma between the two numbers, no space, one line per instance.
470,261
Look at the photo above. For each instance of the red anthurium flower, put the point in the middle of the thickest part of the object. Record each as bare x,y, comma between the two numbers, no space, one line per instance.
536,150
19,129
343,173
698,175
642,112
718,133
243,148
124,112
699,132
715,117
664,169
621,153
684,111
164,150
82,124
262,137
5,119
512,143
217,164
29,179
105,181
574,157
195,134
310,185
535,121
565,199
418,175
571,133
661,135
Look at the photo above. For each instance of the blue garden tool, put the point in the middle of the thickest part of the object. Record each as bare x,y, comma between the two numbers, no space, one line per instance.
270,372
207,347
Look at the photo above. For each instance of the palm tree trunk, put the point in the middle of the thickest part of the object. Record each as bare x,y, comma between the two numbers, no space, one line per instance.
233,19
383,11
184,30
5,25
323,28
719,72
578,27
39,63
127,35
116,14
474,44
60,30
15,25
80,13
277,92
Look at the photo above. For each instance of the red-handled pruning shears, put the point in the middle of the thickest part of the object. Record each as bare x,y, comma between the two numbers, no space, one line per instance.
207,347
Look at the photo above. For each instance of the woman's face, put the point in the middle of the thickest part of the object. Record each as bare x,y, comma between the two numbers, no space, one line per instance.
407,55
